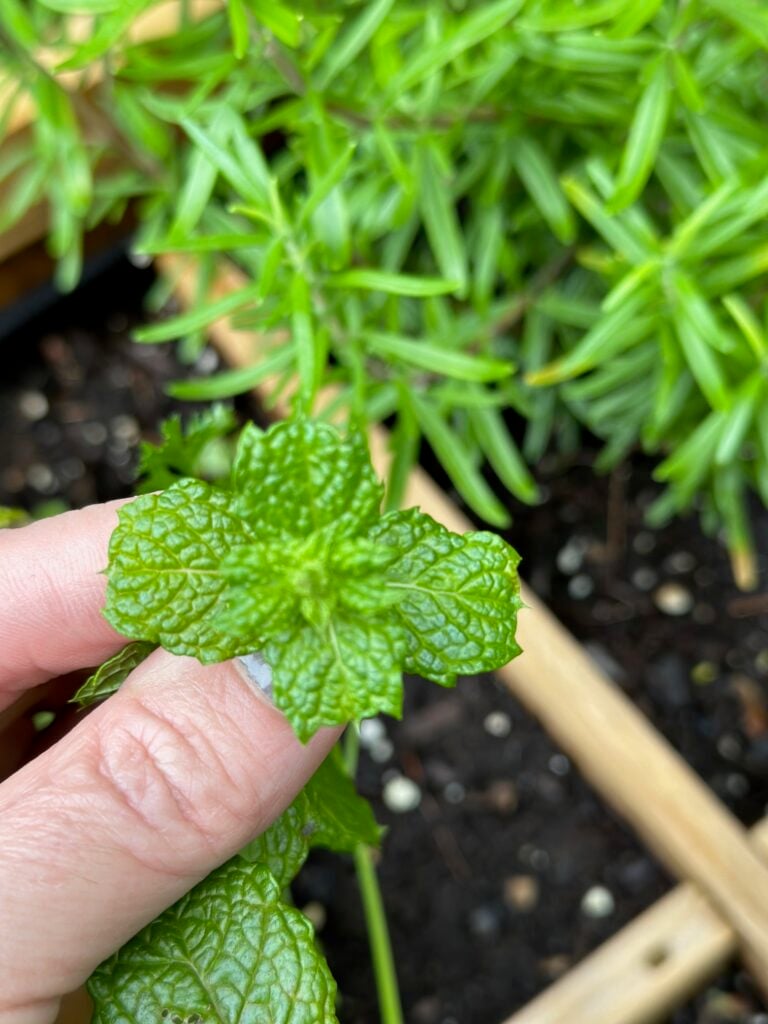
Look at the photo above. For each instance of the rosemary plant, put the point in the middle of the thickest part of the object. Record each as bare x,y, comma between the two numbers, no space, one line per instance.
449,209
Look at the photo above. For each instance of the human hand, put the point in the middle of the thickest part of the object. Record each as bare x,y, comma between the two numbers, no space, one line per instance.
143,798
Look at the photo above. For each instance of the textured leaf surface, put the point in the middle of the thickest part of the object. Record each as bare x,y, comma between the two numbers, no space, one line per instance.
283,848
296,562
460,595
113,673
281,582
165,582
300,476
328,812
351,670
339,818
230,952
264,601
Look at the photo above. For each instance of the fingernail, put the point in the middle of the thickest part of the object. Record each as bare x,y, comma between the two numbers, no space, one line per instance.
257,671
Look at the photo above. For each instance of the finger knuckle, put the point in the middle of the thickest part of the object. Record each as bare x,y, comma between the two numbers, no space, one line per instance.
172,786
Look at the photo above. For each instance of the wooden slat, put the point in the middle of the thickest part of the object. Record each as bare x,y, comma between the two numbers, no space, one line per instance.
76,1008
652,965
638,977
613,744
29,229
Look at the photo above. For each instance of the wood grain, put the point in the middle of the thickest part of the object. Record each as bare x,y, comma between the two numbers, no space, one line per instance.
643,972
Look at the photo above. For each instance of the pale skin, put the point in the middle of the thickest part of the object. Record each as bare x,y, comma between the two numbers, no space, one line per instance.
142,798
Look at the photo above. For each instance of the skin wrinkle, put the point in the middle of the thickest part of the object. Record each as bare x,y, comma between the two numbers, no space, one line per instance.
105,833
155,766
208,754
138,780
41,819
38,811
226,731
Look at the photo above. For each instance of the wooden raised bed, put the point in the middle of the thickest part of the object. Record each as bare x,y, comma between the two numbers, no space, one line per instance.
720,906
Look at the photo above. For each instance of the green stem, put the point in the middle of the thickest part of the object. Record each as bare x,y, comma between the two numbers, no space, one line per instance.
351,746
378,938
373,907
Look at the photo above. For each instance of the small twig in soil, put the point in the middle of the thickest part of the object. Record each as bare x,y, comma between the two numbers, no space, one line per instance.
754,711
744,607
616,522
445,841
520,305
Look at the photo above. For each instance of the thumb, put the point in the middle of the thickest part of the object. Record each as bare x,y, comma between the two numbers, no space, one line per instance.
147,795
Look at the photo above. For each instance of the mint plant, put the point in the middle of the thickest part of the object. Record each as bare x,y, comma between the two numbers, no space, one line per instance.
294,559
197,449
287,553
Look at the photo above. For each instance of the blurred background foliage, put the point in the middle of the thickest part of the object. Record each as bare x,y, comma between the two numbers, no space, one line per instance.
451,211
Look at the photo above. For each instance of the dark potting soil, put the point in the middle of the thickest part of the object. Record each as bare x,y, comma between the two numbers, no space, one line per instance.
501,867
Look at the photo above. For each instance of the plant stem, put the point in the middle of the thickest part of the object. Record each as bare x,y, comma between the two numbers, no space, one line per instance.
520,305
373,907
351,747
378,938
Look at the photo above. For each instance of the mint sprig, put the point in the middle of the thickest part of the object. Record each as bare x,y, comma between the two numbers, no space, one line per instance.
294,559
291,557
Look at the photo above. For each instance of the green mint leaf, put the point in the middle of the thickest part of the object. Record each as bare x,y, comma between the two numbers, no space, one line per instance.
165,581
459,595
230,952
340,819
264,601
183,449
348,671
283,847
317,608
301,476
113,673
294,560
279,583
328,812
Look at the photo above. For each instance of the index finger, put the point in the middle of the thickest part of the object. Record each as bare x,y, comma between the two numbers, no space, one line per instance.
52,590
